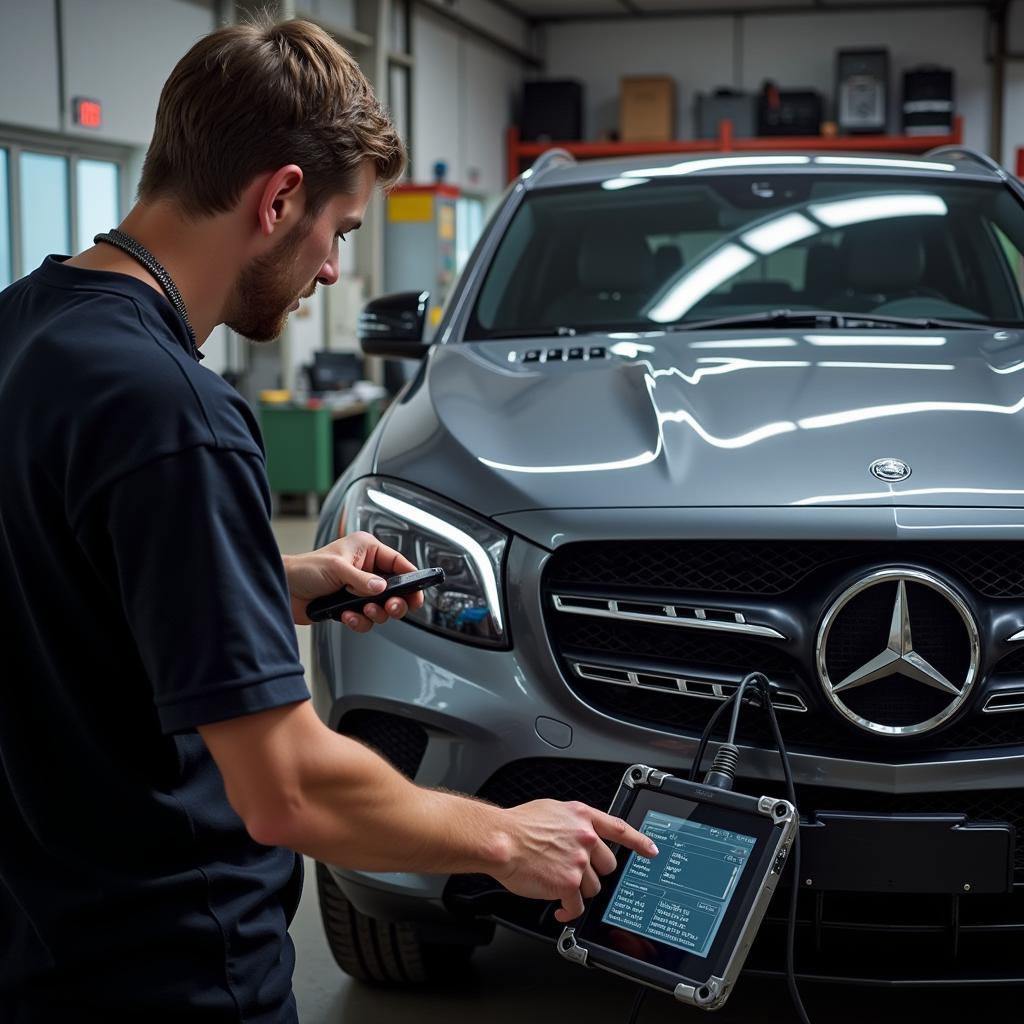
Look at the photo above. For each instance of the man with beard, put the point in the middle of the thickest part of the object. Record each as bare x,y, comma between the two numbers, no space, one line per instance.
160,762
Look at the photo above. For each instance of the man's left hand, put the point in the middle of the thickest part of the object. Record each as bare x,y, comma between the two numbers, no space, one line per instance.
359,562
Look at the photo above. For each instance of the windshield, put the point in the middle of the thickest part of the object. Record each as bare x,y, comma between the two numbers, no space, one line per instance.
640,254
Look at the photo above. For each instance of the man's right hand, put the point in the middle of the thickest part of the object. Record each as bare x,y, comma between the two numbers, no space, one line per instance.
558,852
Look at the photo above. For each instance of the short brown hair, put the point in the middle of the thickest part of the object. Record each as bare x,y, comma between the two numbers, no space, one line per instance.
247,99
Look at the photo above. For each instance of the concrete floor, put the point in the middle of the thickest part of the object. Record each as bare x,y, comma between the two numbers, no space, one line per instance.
517,979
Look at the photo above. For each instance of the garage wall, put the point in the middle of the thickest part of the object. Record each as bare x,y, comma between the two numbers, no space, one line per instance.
1013,114
463,92
794,50
490,17
126,79
697,52
29,96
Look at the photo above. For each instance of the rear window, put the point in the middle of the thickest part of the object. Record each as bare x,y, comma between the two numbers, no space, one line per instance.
642,252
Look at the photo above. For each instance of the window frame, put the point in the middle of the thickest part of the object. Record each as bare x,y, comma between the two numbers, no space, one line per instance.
71,149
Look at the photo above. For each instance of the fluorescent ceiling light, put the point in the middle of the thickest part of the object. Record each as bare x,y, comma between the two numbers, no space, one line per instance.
739,441
729,261
839,419
842,212
778,233
748,343
588,467
832,499
717,163
614,184
630,349
882,161
728,364
859,341
888,366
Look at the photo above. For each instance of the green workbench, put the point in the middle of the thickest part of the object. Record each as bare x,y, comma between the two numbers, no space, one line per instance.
300,443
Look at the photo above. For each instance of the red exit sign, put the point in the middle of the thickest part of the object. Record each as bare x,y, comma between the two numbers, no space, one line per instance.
87,113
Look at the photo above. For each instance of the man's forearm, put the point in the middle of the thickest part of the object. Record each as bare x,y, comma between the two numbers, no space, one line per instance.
352,808
296,783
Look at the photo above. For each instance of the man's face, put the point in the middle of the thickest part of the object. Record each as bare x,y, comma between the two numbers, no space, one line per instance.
270,287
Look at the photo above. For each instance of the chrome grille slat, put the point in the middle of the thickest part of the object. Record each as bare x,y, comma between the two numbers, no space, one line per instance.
1014,699
661,614
784,700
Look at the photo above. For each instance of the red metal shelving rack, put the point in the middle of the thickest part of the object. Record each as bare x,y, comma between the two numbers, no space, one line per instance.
726,142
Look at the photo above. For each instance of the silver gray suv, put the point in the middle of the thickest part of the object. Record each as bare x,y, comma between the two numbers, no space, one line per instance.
682,420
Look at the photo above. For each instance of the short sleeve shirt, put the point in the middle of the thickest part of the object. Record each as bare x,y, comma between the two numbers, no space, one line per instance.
143,595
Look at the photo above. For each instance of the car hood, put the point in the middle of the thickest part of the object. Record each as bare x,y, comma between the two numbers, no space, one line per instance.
716,419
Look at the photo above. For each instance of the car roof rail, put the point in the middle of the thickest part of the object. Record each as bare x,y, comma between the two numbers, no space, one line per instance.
551,158
966,153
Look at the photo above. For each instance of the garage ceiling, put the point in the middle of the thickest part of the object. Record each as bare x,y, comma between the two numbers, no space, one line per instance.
563,10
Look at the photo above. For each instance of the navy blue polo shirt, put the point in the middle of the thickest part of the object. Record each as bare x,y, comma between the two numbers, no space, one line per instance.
143,594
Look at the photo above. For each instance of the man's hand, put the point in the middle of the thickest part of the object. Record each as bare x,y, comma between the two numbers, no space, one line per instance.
358,562
558,852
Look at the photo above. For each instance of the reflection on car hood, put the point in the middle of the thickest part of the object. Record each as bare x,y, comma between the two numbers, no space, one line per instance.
717,419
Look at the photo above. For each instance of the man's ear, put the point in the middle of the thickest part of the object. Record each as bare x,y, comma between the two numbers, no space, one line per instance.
282,200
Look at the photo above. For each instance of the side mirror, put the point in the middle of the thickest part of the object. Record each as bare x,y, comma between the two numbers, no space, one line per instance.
393,325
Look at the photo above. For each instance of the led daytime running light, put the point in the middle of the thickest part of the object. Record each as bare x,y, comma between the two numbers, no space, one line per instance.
437,526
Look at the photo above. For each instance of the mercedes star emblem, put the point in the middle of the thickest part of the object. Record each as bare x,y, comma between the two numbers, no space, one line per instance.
890,470
898,652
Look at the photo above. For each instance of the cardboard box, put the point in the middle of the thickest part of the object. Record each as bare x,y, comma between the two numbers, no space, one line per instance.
647,109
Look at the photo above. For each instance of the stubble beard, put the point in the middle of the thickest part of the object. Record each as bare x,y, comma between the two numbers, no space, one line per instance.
265,291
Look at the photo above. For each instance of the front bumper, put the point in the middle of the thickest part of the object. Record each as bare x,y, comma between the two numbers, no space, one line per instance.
504,725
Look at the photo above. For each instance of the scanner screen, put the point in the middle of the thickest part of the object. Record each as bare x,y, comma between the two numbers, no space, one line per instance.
680,897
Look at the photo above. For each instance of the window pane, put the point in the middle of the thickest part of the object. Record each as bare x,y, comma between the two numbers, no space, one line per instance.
45,221
5,224
469,221
398,99
625,253
399,35
97,193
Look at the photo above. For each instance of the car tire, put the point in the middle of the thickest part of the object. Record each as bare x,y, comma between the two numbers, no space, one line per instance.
388,954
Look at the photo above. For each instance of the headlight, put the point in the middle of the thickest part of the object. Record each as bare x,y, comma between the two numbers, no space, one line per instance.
432,532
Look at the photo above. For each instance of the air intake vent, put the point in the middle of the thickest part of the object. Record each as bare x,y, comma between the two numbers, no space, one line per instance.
398,740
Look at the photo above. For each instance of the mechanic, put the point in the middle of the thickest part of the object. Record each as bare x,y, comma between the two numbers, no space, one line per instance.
161,762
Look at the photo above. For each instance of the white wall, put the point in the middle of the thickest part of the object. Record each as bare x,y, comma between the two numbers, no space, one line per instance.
116,51
696,52
463,95
120,52
793,50
490,17
1013,114
28,60
800,50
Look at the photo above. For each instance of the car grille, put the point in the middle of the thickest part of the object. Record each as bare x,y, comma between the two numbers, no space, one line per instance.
874,938
992,569
595,783
614,588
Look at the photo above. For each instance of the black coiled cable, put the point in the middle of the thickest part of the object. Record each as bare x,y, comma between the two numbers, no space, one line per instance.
761,684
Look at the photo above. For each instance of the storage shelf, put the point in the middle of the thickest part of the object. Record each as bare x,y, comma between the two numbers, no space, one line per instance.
727,142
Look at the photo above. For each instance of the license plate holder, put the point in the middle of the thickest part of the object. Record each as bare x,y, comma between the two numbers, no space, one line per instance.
907,853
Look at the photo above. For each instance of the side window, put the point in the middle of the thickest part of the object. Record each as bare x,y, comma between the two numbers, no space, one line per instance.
54,200
97,199
469,226
44,207
1014,259
508,265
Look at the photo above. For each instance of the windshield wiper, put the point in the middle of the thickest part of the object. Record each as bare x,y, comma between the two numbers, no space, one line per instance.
823,318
